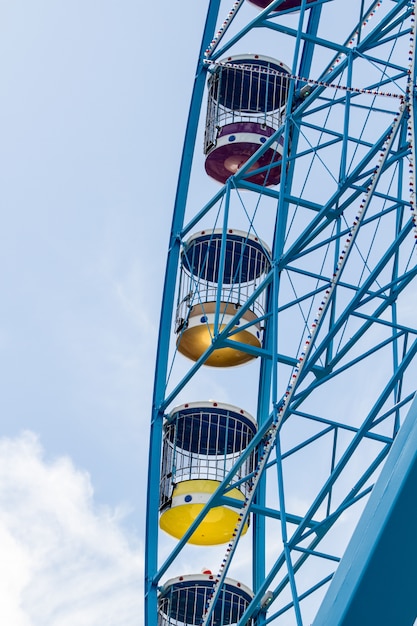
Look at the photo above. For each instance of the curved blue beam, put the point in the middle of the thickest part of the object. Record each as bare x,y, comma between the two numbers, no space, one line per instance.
375,582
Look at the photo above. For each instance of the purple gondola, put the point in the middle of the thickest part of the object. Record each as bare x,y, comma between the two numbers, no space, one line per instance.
284,6
246,102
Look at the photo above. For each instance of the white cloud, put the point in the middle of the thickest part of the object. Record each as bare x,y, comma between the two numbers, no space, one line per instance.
63,562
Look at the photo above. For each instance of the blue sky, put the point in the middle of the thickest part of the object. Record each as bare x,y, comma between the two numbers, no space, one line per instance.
92,113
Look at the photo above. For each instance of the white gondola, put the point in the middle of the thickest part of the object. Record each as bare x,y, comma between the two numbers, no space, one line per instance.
182,601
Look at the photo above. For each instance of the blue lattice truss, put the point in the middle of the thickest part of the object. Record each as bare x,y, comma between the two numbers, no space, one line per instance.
358,147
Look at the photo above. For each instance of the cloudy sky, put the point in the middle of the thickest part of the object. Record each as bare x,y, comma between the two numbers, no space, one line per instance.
93,106
93,110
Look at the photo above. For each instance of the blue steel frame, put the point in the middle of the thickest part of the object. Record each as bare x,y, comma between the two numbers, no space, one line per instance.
161,368
341,285
372,561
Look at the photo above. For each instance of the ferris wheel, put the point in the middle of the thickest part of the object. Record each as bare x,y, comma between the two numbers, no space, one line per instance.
289,298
